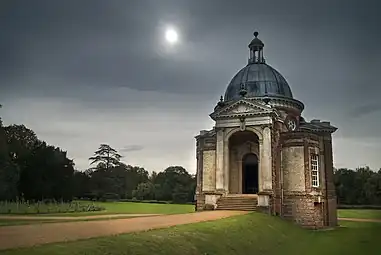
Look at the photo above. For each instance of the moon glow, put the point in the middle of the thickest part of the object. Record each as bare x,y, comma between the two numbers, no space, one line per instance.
171,36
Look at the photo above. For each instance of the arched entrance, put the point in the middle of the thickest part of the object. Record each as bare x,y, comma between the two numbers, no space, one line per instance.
250,174
243,162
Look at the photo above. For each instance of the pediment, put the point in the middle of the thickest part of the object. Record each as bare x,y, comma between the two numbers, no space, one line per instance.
242,108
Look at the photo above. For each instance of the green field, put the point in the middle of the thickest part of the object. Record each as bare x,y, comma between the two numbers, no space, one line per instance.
359,213
15,222
254,233
132,207
8,222
22,207
110,208
150,208
125,208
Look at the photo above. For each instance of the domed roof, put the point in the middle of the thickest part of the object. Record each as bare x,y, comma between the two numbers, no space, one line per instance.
257,79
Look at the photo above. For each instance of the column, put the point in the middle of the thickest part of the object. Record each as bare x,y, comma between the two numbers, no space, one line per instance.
226,166
265,164
198,172
220,160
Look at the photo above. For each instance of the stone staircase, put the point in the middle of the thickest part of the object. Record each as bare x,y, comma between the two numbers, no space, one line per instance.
239,202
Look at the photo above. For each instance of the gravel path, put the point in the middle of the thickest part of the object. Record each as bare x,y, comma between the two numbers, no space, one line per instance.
30,235
361,220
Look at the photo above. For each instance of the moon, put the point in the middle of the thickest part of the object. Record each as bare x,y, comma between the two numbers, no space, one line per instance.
171,36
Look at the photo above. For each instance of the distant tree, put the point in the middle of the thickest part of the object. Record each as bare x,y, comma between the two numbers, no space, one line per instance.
144,191
358,187
81,184
120,179
105,157
9,171
134,176
48,174
152,177
175,184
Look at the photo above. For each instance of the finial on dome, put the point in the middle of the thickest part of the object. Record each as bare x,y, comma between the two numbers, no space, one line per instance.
256,50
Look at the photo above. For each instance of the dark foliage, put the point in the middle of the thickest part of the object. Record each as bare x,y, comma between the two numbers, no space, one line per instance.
358,187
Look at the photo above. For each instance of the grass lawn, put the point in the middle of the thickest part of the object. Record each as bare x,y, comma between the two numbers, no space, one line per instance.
359,213
12,222
131,207
15,222
254,233
126,208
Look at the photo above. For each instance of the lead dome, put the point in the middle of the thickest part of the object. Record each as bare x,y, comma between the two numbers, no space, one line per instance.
257,78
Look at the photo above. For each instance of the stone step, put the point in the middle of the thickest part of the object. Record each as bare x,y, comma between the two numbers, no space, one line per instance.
237,202
251,207
237,208
241,200
248,200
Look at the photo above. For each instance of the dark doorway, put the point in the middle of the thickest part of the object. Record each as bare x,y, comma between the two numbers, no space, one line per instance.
250,174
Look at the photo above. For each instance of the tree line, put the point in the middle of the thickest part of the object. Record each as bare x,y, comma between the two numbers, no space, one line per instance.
32,170
358,187
112,179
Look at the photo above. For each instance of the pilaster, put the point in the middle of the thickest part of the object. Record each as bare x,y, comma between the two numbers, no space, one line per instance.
226,165
266,166
220,159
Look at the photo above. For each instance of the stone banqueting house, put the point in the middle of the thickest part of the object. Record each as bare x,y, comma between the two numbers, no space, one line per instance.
262,154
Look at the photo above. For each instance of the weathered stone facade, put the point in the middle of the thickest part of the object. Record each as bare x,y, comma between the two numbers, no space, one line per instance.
262,150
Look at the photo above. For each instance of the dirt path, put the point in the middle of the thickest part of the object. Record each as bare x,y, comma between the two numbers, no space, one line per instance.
30,235
361,220
105,216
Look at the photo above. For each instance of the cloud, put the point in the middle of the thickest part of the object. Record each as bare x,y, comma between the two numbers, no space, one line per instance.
365,110
80,73
133,147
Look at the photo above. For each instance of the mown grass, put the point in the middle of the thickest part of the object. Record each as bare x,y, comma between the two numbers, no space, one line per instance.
359,213
22,207
84,208
135,208
13,222
254,233
16,222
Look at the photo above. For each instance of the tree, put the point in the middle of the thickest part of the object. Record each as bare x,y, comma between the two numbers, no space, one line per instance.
359,187
48,174
144,191
175,184
105,157
9,171
81,184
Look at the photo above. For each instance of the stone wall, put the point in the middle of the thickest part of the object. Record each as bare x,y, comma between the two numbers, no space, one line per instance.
200,202
303,210
311,207
293,168
276,166
209,170
331,200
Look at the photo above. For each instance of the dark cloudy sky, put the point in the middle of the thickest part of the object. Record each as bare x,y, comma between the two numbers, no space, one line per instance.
84,72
